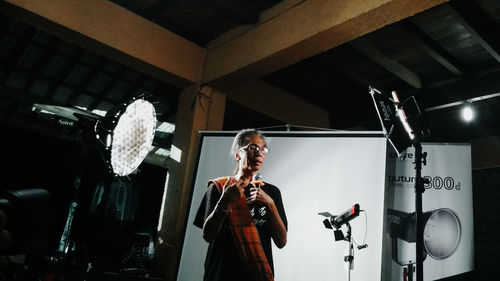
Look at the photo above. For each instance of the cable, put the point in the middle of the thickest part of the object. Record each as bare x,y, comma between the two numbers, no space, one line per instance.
363,244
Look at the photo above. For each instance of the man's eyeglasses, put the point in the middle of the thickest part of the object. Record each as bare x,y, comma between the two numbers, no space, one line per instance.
256,149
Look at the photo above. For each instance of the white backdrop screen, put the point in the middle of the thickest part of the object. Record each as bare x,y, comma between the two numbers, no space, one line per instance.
316,172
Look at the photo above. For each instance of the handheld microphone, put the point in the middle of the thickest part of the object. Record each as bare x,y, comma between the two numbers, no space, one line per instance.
257,180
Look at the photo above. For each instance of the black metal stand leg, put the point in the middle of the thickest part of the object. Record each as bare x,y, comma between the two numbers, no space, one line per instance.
419,189
59,261
410,272
64,241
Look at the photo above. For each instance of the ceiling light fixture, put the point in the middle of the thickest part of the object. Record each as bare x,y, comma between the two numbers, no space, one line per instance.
467,112
460,103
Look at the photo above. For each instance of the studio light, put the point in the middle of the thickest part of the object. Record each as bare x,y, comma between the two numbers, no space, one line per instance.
336,222
468,112
126,133
441,233
341,219
416,126
124,137
402,122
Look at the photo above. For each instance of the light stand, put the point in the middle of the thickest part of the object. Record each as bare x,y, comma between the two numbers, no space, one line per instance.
350,256
337,222
64,244
124,137
389,110
66,249
419,190
420,158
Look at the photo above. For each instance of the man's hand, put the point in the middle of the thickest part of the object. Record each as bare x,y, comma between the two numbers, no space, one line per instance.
257,195
232,193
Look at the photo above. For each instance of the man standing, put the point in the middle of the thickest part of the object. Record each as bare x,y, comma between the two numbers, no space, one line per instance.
240,217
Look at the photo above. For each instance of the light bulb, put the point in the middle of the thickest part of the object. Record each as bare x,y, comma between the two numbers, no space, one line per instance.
467,113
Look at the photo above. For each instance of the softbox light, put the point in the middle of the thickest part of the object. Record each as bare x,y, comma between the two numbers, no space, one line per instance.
400,126
392,128
126,134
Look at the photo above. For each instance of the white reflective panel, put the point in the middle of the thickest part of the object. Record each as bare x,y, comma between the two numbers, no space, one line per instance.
133,137
442,234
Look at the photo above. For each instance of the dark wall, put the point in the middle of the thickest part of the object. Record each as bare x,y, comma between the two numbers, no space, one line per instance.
486,195
32,160
486,184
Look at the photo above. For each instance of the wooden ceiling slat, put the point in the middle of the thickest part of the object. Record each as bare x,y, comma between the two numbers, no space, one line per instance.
132,91
21,97
307,29
154,11
80,89
468,16
65,71
23,43
461,90
39,65
132,40
433,49
331,60
392,66
243,10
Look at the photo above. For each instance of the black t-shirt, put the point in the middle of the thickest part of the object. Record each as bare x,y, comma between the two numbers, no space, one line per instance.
222,262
